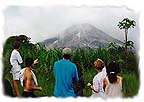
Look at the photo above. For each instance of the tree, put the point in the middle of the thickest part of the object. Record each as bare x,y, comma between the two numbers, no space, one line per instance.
8,47
126,24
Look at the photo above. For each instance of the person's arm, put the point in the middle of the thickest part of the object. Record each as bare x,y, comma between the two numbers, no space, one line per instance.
36,61
120,81
105,83
75,73
19,58
30,84
91,87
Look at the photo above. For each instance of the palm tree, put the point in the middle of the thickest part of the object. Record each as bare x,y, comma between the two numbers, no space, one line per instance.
126,24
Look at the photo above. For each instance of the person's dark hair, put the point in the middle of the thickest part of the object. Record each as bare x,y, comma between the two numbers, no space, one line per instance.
66,56
100,68
29,62
112,70
16,45
113,67
112,77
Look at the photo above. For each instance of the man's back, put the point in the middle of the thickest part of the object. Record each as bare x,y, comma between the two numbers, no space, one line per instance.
64,72
28,80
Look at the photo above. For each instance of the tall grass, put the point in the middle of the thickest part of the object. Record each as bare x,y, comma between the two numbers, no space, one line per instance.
130,84
85,57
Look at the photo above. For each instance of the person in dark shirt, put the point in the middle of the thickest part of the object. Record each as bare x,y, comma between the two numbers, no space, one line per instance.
79,85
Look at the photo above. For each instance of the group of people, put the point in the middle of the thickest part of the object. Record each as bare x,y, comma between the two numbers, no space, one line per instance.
26,75
107,82
69,81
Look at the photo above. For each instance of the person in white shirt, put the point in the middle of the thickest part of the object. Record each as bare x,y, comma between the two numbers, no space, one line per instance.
98,84
15,61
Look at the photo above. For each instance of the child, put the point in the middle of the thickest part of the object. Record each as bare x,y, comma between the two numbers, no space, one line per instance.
114,82
98,84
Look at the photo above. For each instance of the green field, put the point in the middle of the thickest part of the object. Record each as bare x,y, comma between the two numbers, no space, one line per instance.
85,57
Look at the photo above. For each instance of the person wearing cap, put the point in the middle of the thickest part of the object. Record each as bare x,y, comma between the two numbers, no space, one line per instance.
65,72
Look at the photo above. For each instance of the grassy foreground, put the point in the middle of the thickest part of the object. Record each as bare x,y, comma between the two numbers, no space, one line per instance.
85,57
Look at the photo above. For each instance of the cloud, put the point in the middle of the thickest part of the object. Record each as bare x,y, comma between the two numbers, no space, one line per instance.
41,23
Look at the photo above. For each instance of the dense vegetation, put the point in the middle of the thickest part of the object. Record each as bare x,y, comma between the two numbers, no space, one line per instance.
85,57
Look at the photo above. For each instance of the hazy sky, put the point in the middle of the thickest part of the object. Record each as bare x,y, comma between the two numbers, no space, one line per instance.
41,23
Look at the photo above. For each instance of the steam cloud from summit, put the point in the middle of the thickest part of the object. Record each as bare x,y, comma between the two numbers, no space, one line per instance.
41,23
